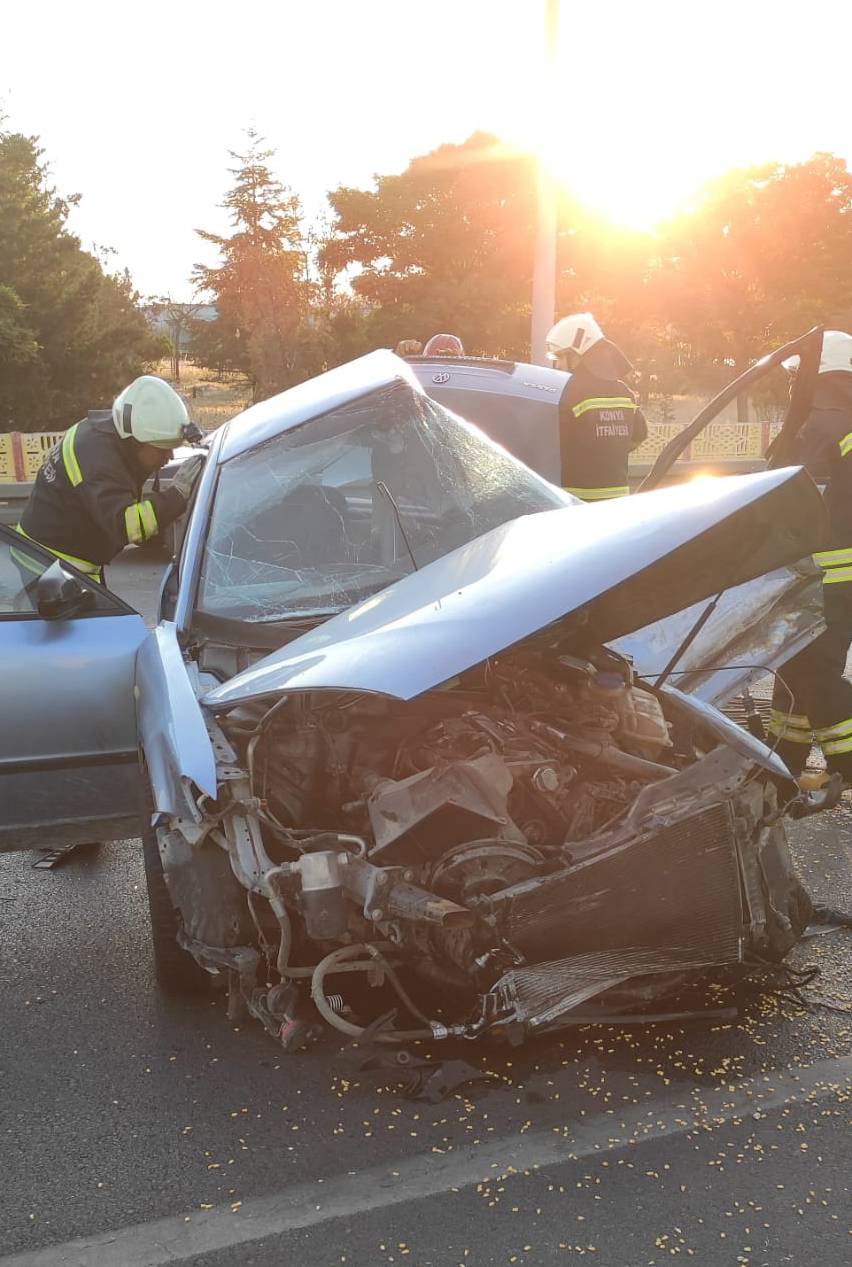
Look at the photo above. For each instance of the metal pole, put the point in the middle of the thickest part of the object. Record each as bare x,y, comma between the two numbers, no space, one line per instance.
544,269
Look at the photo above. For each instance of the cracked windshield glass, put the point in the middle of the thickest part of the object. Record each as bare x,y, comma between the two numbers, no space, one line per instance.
328,513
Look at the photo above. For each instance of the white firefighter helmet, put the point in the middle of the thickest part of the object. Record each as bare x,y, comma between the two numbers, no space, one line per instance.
836,354
150,411
576,334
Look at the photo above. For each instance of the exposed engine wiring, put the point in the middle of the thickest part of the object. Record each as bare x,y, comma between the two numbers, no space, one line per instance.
307,764
339,961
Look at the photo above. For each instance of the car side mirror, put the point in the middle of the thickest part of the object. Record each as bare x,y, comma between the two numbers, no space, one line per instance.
59,595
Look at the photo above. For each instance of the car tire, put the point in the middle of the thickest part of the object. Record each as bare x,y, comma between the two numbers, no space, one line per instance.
175,969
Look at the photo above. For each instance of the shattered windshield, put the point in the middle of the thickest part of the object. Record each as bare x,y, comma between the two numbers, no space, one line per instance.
328,513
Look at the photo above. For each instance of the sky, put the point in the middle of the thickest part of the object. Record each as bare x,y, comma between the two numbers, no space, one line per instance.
138,105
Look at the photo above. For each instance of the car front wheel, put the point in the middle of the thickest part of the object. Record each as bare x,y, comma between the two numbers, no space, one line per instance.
175,969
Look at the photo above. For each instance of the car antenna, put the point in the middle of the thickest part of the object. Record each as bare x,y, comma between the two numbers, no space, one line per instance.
693,633
383,488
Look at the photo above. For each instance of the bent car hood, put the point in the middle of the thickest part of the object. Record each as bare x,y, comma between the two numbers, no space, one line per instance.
616,566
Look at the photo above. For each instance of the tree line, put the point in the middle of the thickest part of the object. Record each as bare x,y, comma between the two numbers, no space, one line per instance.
71,331
447,244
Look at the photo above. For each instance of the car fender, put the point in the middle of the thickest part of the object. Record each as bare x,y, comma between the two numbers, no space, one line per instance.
172,733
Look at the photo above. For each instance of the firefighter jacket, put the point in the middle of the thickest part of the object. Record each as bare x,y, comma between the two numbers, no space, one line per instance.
599,424
823,445
87,503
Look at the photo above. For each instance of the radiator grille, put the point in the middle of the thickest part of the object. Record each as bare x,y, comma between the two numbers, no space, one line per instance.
540,994
677,888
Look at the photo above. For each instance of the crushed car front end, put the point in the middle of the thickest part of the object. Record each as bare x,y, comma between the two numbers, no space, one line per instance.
457,789
513,847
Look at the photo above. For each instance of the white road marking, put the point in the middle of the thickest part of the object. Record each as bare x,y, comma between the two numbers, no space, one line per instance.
173,1240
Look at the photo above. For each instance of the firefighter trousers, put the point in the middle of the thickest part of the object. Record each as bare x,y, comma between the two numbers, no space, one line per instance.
821,709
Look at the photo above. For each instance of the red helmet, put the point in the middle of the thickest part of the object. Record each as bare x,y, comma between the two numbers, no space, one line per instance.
444,345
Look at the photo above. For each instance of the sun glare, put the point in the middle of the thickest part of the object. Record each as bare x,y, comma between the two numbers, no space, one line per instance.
635,188
635,185
635,135
634,199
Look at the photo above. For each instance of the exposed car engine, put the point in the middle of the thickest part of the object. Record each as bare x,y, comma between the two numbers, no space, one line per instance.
557,755
532,835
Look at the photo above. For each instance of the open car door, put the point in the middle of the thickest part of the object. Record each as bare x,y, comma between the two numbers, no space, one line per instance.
69,765
807,347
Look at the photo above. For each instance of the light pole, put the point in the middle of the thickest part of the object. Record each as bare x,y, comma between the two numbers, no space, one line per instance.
544,268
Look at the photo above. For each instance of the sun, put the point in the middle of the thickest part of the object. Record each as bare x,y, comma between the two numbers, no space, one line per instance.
638,192
634,187
637,200
629,155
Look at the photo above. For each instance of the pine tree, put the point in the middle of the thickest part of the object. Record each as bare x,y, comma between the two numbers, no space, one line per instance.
260,286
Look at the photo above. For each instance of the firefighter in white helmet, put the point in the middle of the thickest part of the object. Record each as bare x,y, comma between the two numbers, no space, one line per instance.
88,503
821,712
599,419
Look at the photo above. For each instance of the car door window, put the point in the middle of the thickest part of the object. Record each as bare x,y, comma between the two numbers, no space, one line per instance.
21,564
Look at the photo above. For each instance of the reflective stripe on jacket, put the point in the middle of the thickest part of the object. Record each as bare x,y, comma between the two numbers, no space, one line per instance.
599,494
26,561
836,566
87,502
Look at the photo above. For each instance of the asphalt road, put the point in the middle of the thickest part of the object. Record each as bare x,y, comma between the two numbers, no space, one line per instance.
136,1131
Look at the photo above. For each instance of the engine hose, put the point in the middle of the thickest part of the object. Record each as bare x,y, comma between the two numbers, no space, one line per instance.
308,970
286,944
605,752
397,984
337,962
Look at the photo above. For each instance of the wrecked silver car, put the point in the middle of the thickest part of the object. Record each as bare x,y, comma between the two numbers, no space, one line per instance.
444,780
413,756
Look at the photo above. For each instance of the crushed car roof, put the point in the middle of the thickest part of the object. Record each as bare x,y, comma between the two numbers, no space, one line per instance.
312,399
618,565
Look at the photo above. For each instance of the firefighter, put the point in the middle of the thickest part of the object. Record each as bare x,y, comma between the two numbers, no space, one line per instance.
87,503
444,345
599,419
821,710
